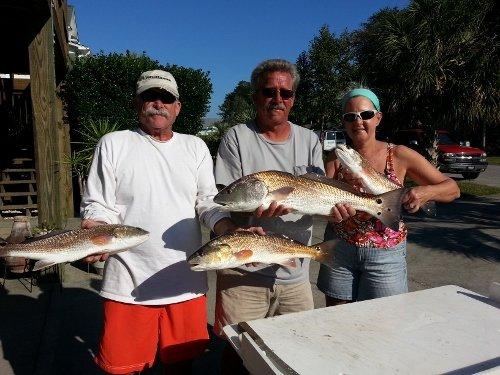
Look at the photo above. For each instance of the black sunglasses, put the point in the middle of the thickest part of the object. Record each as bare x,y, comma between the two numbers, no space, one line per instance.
270,92
153,95
364,115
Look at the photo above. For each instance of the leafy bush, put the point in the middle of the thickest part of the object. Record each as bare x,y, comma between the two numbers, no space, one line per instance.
103,87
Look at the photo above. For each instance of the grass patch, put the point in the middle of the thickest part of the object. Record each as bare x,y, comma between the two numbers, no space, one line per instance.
468,188
495,160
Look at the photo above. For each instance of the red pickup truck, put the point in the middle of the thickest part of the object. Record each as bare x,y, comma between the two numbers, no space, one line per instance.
453,156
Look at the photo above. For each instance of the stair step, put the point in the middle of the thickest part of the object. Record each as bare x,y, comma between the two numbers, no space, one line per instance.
17,182
15,170
18,194
18,206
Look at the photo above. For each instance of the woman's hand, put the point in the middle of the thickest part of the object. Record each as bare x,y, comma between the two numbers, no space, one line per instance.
416,197
341,212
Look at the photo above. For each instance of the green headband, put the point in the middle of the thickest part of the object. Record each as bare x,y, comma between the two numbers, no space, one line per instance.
361,92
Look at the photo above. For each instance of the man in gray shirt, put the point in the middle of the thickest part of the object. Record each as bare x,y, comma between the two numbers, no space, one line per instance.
270,142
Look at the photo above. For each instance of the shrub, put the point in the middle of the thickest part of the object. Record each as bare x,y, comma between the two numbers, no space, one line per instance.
102,87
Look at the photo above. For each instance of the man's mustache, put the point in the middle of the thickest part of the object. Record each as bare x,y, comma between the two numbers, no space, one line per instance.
157,112
272,106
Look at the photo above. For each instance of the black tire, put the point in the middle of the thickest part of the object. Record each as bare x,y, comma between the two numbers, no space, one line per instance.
470,175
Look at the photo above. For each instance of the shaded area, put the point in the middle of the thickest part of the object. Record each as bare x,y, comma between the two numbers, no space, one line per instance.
486,300
463,226
36,327
476,368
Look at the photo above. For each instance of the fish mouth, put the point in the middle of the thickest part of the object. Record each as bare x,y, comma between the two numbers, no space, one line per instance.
219,198
221,202
194,260
195,265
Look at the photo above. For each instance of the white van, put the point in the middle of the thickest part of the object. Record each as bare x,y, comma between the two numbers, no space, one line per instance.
332,138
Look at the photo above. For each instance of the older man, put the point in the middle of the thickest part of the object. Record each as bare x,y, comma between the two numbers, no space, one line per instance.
271,142
162,181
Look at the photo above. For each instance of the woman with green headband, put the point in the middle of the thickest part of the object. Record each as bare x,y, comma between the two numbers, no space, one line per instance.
370,260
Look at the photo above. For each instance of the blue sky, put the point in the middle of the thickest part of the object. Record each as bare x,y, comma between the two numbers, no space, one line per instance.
226,38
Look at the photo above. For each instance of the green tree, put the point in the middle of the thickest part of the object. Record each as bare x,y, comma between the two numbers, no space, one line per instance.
326,71
102,86
238,107
435,62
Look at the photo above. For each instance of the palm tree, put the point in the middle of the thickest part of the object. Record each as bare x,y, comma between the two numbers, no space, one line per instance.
435,62
81,158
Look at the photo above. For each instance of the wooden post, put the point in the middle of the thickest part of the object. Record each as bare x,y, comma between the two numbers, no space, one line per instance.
46,135
65,181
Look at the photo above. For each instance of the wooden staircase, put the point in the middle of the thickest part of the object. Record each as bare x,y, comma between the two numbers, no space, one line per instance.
18,188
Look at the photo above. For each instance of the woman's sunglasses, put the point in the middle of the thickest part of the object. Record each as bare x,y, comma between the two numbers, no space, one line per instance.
364,115
270,92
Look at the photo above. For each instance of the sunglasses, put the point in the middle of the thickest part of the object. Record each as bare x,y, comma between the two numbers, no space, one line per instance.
152,96
270,92
364,115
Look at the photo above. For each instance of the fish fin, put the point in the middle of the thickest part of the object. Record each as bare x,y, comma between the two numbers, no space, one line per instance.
326,252
44,236
101,239
281,193
429,208
389,211
291,263
42,264
243,254
329,181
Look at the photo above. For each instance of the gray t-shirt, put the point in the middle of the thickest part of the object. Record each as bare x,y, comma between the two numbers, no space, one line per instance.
244,150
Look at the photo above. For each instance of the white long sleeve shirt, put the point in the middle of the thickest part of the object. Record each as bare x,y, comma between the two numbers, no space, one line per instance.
166,188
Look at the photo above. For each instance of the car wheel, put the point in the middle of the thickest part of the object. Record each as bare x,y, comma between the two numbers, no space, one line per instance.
470,175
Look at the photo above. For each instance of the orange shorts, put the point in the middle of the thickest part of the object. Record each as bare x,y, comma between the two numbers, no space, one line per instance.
134,334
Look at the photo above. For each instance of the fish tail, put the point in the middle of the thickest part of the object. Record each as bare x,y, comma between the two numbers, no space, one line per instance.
389,211
326,252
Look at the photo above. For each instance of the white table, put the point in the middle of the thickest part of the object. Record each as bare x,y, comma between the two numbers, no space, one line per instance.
441,330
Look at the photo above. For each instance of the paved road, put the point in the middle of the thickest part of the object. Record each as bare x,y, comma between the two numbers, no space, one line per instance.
49,332
491,176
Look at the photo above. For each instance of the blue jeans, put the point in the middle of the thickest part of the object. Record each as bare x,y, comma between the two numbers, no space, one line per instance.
361,273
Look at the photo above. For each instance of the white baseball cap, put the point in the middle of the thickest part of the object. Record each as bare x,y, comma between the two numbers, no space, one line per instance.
159,79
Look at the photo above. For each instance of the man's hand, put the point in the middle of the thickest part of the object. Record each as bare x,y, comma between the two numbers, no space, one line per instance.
274,210
256,230
87,224
226,226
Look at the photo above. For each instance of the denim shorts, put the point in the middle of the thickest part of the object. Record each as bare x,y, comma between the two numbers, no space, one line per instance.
361,273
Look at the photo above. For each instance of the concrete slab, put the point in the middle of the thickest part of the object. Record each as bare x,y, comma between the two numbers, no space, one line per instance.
49,331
